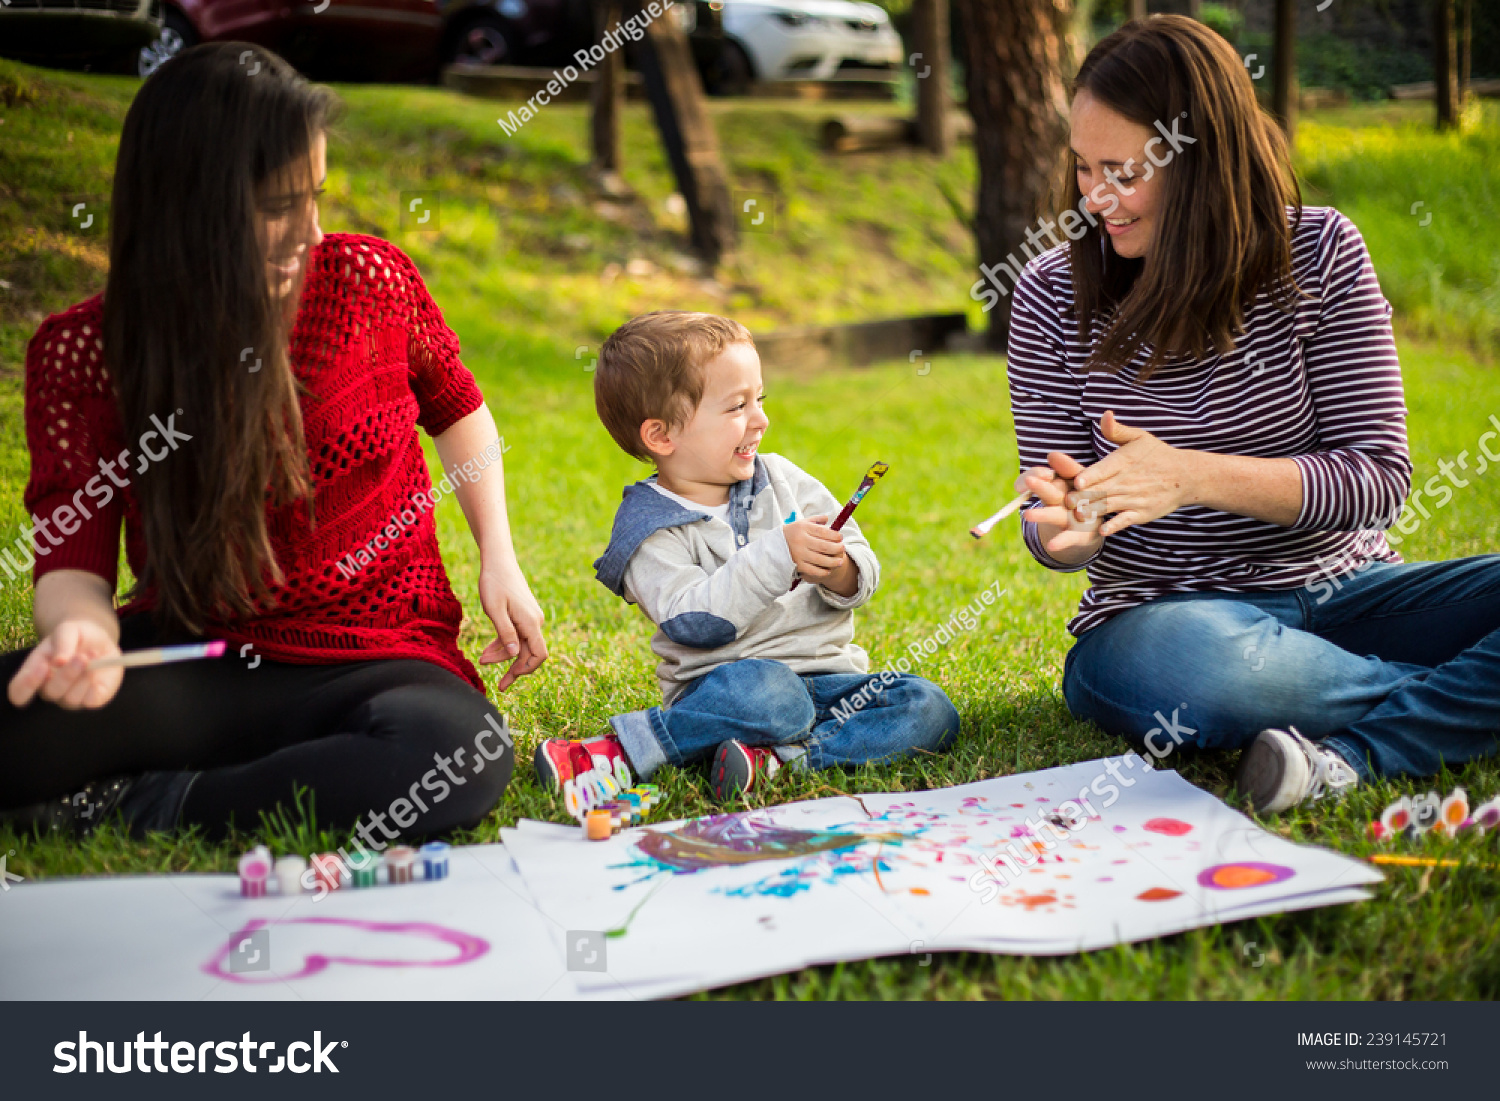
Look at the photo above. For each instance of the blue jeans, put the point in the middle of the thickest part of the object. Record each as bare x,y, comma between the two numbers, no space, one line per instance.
1396,667
815,719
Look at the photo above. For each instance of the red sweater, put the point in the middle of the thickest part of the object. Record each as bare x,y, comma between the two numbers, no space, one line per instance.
376,361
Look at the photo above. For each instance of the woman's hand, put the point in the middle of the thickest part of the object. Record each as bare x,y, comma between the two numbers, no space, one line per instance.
517,617
1144,479
1067,524
58,667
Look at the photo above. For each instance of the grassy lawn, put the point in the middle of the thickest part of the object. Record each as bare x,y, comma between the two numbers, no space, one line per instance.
521,265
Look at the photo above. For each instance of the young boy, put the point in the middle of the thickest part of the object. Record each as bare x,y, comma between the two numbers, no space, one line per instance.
752,673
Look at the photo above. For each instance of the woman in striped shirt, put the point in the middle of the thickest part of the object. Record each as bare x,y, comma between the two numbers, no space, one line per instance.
1209,412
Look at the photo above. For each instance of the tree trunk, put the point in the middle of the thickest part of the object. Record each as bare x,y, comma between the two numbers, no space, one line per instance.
930,36
1018,52
1466,54
1284,78
688,136
1444,71
607,93
1135,9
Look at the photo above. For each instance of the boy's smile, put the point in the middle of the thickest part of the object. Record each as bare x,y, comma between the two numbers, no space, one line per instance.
716,448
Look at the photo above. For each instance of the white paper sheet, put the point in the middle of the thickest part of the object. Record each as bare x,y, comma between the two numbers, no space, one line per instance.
475,934
681,907
668,909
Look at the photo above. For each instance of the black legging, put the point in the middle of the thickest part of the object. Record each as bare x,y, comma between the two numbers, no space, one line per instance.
361,736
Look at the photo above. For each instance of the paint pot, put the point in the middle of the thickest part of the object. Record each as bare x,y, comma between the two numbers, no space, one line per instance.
1486,816
364,869
596,826
398,864
327,871
254,868
1425,811
1452,814
289,872
435,860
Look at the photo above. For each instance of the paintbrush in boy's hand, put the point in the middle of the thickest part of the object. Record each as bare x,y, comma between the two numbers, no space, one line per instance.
873,475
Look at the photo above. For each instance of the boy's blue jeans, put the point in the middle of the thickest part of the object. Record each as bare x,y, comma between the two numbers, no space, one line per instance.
812,717
1396,667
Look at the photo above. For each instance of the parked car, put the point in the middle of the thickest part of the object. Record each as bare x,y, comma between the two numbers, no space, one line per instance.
772,40
394,40
77,33
330,39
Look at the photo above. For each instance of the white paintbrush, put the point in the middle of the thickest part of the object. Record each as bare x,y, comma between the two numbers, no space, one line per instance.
160,655
981,529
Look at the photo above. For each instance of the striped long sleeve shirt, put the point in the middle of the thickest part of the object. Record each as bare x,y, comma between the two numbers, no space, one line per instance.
1319,383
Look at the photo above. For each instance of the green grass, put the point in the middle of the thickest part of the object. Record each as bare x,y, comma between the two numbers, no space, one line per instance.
1376,164
858,237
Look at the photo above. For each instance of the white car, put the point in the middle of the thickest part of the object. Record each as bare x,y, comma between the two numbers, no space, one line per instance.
805,40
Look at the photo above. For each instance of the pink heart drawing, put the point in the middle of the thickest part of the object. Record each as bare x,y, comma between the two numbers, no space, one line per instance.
468,948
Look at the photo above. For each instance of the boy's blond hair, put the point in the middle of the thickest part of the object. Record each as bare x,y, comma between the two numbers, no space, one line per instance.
651,368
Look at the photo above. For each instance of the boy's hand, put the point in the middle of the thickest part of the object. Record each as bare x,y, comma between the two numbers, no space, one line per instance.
819,555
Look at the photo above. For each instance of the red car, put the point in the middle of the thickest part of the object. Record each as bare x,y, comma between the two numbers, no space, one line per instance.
387,40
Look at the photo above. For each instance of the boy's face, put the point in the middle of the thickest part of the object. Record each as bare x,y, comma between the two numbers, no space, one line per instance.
716,448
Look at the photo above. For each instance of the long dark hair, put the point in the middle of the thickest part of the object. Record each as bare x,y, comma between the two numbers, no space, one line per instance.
1222,236
187,295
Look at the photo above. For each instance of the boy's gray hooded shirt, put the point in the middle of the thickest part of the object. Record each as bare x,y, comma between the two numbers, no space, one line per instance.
718,591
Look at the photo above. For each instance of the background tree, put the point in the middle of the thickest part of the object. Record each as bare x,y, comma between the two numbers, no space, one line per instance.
1020,54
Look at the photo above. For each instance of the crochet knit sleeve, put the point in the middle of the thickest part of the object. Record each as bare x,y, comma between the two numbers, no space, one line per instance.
72,431
445,389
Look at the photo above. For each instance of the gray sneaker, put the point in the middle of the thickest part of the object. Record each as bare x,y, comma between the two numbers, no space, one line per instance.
1282,769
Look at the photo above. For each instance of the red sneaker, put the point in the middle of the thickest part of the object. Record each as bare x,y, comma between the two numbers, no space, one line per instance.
558,760
738,767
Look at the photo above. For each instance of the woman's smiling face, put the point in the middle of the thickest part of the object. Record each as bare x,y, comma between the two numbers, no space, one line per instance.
286,218
1123,186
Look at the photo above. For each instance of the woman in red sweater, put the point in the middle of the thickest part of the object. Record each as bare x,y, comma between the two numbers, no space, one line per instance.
244,399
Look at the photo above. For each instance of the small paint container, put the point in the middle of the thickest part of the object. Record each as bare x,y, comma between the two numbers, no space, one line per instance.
289,872
435,860
1486,816
398,864
596,825
364,869
254,869
326,871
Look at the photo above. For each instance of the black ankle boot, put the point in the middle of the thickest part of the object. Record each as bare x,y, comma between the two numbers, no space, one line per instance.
76,815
